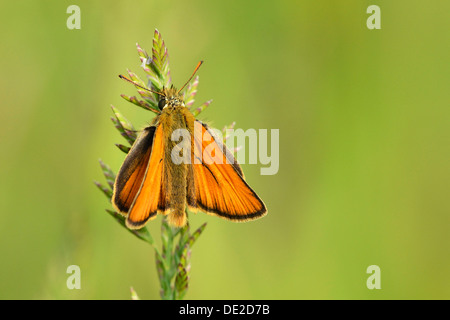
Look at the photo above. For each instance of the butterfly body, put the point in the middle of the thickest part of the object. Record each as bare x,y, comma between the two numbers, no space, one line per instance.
153,180
175,116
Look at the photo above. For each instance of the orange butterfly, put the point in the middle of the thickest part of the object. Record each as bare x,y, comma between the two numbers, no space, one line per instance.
151,182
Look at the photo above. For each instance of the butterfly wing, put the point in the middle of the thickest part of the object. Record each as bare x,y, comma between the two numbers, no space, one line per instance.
219,185
137,190
131,174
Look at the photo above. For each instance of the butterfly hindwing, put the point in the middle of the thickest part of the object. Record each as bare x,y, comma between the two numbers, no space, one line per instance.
137,190
148,198
131,174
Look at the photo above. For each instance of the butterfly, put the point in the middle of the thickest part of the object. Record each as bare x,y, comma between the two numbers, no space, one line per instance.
153,180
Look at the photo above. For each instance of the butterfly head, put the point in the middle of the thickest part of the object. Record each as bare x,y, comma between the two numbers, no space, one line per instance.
170,98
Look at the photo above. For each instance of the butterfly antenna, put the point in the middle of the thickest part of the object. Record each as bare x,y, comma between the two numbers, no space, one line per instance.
137,85
196,68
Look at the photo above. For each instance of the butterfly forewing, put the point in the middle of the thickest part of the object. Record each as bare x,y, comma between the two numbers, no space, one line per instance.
220,188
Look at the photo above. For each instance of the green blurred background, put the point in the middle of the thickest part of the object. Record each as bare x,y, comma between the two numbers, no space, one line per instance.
364,146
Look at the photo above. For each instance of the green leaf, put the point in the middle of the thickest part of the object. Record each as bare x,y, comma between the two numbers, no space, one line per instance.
190,92
108,173
121,130
124,122
159,267
123,148
143,56
225,128
142,233
134,295
147,105
125,128
136,78
151,98
183,239
108,192
193,238
198,110
181,282
156,67
160,59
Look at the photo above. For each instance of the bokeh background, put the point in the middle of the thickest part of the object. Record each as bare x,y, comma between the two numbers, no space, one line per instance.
364,146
